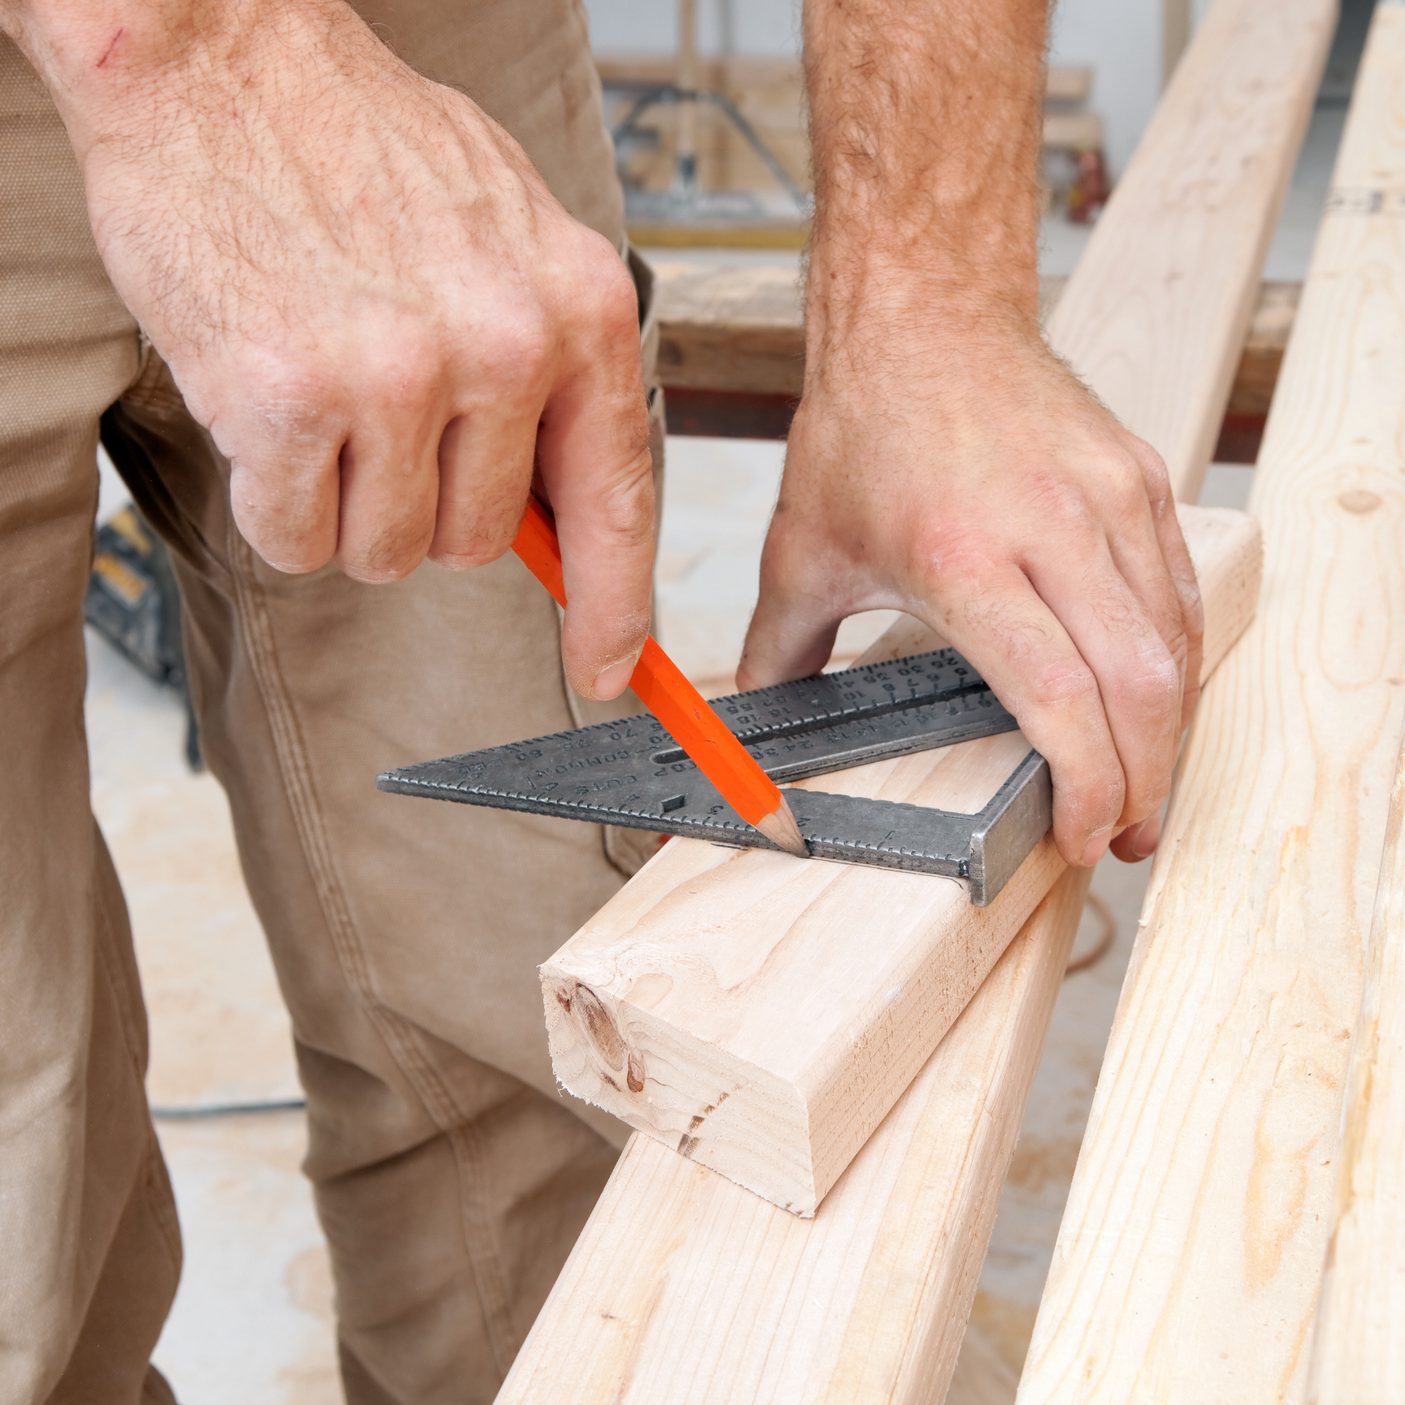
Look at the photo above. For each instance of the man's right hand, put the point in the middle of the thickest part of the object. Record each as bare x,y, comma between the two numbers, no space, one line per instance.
367,294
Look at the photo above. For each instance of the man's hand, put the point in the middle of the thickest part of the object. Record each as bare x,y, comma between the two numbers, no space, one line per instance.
366,293
990,495
943,461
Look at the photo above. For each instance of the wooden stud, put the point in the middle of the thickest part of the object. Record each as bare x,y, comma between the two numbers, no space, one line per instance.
733,1008
1359,1353
685,1289
727,1003
1190,1258
682,1282
732,348
739,328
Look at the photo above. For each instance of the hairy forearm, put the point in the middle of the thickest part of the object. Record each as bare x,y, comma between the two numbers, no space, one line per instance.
84,45
108,63
925,127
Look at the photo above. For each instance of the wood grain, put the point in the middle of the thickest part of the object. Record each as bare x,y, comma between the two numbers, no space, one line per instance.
726,1003
1191,1252
685,1288
733,1009
1359,1351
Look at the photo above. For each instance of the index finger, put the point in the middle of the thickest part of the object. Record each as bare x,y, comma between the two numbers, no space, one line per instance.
1181,570
1012,637
595,463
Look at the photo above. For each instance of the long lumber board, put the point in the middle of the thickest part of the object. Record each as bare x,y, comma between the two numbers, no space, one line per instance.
713,1275
735,1005
1190,1256
608,1017
739,328
1359,1349
685,1289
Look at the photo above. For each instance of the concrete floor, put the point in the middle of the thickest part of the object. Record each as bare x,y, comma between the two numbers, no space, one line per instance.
253,1318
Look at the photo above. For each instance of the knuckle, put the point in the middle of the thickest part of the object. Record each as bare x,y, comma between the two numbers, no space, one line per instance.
785,555
1095,799
518,350
1154,472
632,451
1112,603
291,403
1127,499
1153,480
1058,500
801,567
950,552
1145,793
477,545
293,555
409,374
1149,686
625,504
386,557
614,307
285,531
1062,683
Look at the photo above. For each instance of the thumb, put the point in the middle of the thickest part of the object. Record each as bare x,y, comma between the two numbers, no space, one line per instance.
791,636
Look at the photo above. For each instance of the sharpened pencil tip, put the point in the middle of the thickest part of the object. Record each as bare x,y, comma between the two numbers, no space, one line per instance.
781,829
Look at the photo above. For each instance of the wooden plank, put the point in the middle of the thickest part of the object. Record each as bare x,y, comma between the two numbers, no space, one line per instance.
1176,24
738,329
727,1003
769,82
1068,82
737,415
721,1293
1073,131
723,1002
684,1288
1189,1261
733,1010
1359,1353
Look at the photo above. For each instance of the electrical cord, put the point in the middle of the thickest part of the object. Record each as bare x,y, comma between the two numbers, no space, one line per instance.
1103,943
196,1112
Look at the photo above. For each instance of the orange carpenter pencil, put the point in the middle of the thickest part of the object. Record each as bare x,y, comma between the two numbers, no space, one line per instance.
666,692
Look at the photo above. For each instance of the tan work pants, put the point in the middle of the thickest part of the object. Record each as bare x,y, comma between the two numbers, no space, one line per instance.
449,1176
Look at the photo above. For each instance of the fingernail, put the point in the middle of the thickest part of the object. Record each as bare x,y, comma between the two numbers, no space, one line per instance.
1097,845
614,679
1148,835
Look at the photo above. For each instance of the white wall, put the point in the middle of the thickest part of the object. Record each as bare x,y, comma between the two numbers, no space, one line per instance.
1120,38
724,26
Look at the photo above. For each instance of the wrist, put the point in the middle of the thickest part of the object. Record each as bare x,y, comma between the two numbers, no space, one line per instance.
81,45
112,67
872,310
